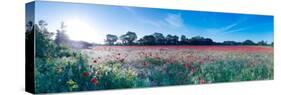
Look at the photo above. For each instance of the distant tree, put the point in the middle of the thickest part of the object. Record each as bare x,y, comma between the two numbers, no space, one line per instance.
169,39
183,40
248,42
124,39
110,39
229,43
159,38
208,41
61,37
140,41
42,25
262,43
172,40
118,43
148,40
175,39
217,43
132,36
272,44
128,38
197,40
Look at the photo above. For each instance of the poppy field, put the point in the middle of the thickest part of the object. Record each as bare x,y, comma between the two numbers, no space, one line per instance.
146,66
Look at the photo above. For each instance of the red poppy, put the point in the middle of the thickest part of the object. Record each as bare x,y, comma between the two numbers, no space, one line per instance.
202,81
95,61
85,74
94,80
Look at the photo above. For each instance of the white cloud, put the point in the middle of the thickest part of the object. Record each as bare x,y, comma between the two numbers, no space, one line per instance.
142,19
174,20
230,28
171,20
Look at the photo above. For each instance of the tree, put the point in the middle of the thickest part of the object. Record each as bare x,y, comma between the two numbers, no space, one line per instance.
197,40
230,43
42,26
123,38
45,48
110,39
175,39
61,37
140,41
169,39
248,42
172,40
159,38
262,43
208,41
183,40
128,38
148,40
132,36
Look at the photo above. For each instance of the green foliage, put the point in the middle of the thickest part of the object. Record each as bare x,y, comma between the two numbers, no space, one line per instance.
160,73
196,73
128,38
113,75
154,61
229,71
57,68
53,75
110,39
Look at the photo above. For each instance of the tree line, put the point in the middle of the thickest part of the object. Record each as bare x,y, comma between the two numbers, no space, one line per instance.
130,38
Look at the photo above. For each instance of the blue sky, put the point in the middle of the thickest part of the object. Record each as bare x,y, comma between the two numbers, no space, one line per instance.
99,20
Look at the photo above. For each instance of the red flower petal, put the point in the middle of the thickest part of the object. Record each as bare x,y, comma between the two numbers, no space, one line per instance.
94,80
85,74
95,61
202,81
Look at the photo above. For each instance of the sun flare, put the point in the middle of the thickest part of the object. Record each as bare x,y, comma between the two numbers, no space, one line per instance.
81,30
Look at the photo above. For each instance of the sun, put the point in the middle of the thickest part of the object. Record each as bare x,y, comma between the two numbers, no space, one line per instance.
81,30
